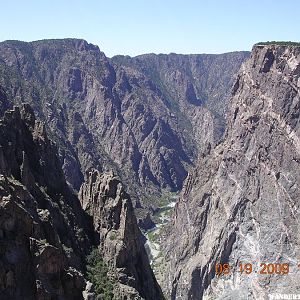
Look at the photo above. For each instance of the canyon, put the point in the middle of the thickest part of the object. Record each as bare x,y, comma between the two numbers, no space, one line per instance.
165,165
147,123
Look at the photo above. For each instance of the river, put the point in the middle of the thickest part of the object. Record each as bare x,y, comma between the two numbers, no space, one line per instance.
152,244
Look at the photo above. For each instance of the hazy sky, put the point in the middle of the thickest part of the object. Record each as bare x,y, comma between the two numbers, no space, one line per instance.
161,26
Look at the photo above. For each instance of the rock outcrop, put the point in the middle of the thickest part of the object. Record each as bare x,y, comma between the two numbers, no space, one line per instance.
241,203
44,235
120,241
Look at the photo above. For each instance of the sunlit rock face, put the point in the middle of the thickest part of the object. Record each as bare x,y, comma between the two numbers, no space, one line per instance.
241,203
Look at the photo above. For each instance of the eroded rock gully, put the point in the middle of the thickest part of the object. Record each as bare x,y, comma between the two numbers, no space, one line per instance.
241,202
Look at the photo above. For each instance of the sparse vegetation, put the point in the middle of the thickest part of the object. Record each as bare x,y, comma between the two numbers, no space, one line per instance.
165,198
113,235
282,43
97,274
168,213
152,235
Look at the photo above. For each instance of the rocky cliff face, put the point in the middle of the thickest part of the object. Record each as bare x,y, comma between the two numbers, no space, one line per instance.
190,81
147,125
241,204
43,233
104,198
4,103
196,87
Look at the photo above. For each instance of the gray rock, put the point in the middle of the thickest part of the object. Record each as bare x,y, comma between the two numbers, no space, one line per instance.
241,203
42,246
120,241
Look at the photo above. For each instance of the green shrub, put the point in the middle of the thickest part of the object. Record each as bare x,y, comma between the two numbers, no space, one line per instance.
97,274
113,235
